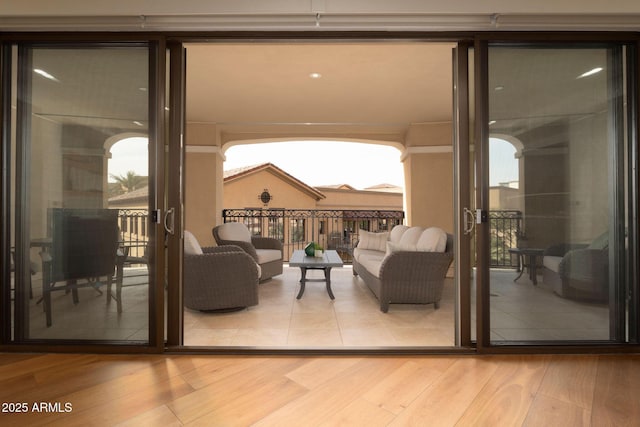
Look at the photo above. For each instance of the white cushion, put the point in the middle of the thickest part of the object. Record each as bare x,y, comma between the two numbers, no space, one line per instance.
234,231
433,239
552,262
373,241
397,232
372,264
191,245
268,255
409,240
358,253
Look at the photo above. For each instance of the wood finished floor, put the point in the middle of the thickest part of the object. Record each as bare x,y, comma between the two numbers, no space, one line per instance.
108,390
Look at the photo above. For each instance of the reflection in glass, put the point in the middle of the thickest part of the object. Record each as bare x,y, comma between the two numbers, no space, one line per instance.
554,209
84,226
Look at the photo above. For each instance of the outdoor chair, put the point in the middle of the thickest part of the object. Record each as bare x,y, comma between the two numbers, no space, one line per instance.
266,251
218,278
83,253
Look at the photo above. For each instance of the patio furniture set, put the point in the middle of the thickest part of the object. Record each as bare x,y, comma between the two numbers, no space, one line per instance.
406,265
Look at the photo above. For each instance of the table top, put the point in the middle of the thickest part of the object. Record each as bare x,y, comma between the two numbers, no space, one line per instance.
330,258
527,251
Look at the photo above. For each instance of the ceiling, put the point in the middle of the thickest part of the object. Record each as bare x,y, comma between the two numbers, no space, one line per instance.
364,89
371,87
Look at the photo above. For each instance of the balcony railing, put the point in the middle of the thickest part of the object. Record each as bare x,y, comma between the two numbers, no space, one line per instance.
506,230
331,229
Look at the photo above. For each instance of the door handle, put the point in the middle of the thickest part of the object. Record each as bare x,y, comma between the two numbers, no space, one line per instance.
469,221
169,228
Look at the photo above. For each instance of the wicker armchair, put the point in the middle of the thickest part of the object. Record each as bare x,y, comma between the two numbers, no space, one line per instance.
266,251
218,278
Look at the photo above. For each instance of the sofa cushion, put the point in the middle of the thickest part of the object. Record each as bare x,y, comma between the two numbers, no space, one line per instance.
268,255
234,231
191,245
372,263
358,253
433,239
409,239
552,262
397,232
601,242
372,241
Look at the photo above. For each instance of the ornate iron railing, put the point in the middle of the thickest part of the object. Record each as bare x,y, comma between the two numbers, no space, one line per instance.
506,233
134,232
331,229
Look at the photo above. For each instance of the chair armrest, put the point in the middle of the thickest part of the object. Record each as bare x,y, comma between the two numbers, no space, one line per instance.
562,248
221,267
413,266
221,249
266,243
246,246
585,264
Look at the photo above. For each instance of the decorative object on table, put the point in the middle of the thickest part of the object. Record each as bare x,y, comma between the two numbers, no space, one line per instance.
310,249
318,251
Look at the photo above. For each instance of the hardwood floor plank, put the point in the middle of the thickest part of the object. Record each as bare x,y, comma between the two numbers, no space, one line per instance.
509,393
547,411
333,396
159,416
359,413
571,379
615,401
320,370
399,389
242,397
446,400
149,390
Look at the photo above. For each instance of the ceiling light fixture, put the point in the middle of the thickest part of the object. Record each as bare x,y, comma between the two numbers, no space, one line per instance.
315,75
137,123
44,74
492,122
590,72
498,88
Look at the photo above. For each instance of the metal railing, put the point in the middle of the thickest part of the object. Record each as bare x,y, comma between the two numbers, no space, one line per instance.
134,233
331,229
506,233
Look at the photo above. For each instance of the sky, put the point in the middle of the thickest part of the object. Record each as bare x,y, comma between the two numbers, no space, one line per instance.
318,163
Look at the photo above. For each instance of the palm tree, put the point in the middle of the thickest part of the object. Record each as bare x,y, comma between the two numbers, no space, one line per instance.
129,182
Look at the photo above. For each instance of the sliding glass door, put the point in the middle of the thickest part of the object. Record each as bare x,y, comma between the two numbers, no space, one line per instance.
79,156
558,207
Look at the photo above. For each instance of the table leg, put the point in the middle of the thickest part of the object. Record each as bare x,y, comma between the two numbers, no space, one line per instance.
303,280
533,264
327,276
520,266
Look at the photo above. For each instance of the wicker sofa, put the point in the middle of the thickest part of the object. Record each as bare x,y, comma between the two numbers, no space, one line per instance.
407,265
266,251
218,278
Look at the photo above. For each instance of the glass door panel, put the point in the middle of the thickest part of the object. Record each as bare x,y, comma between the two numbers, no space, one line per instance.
557,213
81,234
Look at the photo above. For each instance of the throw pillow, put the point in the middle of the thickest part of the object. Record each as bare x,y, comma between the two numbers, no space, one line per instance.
234,231
433,239
409,240
372,241
397,232
191,245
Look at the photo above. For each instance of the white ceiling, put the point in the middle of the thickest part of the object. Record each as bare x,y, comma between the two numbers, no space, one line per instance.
381,85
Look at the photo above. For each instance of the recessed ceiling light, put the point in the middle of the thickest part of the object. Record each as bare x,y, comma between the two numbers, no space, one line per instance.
137,123
44,74
315,75
590,72
498,88
492,122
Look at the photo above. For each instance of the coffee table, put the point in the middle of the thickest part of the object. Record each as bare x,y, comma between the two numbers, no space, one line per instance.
329,260
532,254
